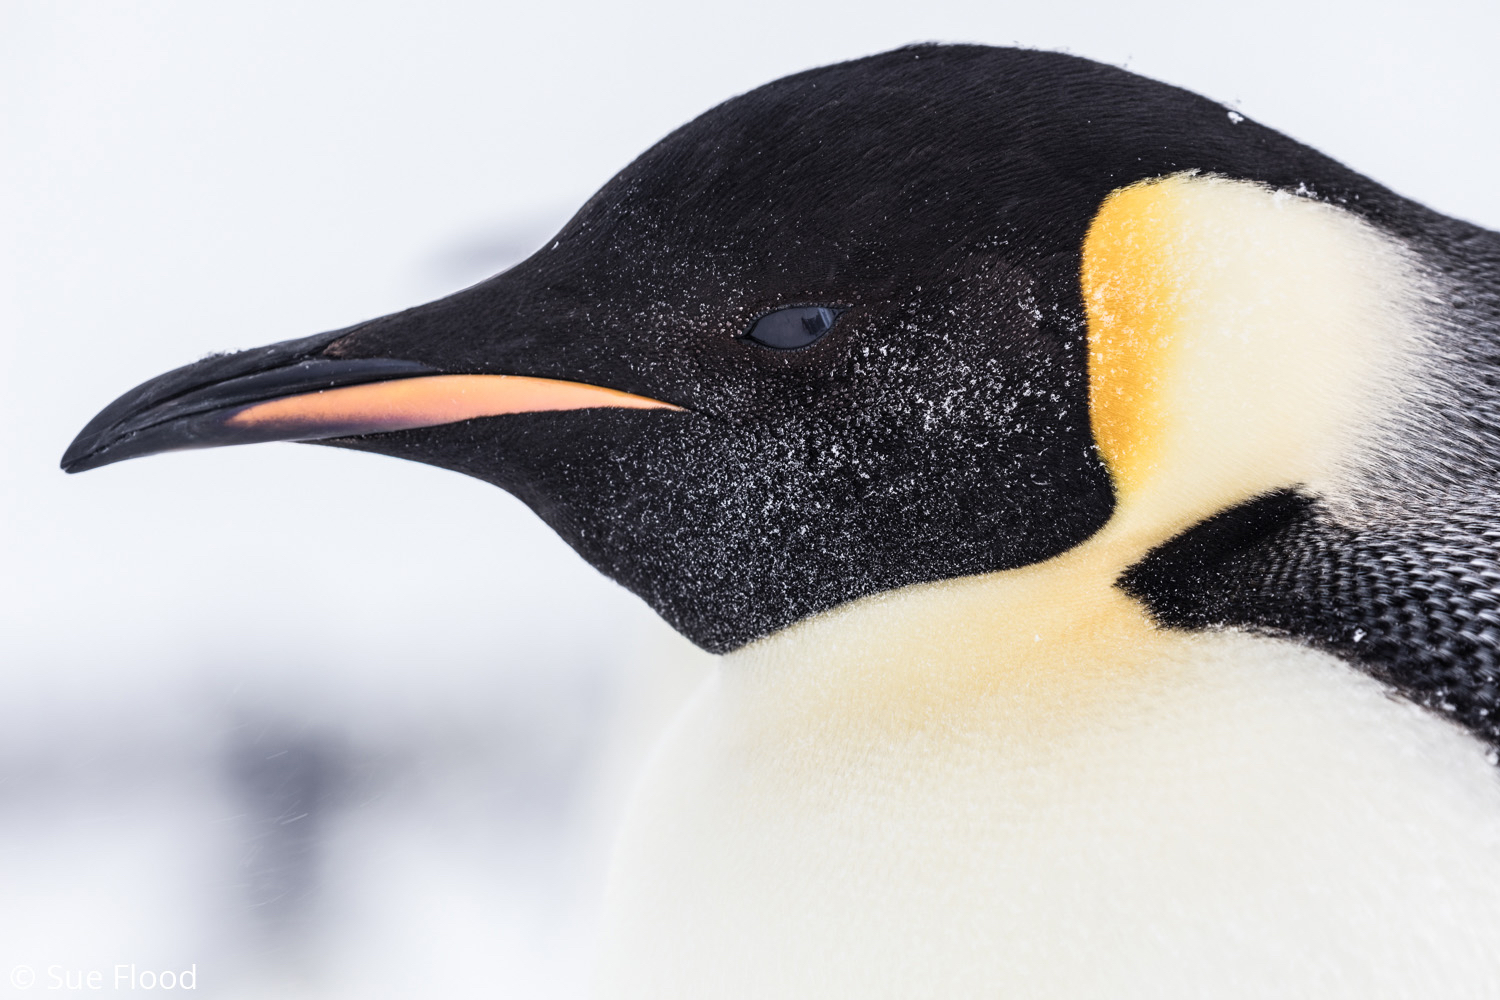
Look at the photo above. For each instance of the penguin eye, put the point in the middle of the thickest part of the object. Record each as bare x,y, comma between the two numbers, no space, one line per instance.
793,327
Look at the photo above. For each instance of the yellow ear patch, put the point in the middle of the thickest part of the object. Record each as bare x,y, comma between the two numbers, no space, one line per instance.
1132,294
1241,340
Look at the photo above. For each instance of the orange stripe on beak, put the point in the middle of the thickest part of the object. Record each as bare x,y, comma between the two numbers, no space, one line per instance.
404,404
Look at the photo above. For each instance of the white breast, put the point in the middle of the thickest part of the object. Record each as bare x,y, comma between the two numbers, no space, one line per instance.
1238,817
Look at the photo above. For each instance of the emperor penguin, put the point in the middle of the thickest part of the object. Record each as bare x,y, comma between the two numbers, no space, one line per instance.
1092,493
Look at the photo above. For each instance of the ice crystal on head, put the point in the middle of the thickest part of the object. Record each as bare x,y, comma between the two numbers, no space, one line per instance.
1235,117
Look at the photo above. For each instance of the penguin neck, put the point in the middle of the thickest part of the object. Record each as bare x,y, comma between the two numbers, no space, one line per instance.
1039,646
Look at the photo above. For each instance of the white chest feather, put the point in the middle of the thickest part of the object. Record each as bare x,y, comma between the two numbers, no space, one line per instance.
1239,817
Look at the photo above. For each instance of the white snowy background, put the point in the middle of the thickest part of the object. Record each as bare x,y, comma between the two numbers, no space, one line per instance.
323,724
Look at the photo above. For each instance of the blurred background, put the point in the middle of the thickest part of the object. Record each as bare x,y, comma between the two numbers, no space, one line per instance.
322,724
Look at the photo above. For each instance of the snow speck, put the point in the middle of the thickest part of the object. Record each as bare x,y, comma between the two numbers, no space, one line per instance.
1235,117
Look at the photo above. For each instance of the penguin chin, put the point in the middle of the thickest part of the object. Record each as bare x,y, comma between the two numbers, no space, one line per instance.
800,538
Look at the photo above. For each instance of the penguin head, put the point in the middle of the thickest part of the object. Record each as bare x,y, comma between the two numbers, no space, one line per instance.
830,339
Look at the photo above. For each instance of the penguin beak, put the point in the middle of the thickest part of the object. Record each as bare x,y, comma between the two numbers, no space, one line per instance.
292,392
